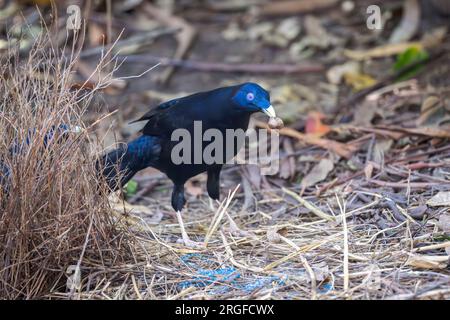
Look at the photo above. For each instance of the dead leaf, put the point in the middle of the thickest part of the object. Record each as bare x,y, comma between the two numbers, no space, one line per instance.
233,32
441,199
409,24
434,37
418,212
379,150
317,37
444,222
292,101
258,30
287,165
279,36
318,173
192,189
128,211
289,28
336,73
121,206
432,112
365,112
314,125
275,233
358,81
427,262
96,35
368,170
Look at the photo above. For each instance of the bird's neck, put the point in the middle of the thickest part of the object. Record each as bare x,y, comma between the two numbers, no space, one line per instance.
141,152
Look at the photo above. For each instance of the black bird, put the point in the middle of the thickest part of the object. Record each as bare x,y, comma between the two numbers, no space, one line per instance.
220,109
60,133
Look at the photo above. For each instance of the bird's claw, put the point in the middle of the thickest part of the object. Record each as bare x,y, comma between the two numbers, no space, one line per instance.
191,244
236,231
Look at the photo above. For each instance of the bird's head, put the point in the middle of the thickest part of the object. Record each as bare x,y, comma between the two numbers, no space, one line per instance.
253,98
61,131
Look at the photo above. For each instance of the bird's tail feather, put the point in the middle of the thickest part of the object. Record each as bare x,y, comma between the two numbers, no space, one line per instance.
119,165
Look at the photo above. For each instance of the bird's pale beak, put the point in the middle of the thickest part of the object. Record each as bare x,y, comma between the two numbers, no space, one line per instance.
76,129
270,111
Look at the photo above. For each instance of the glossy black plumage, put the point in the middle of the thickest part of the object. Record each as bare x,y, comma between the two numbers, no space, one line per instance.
56,134
222,109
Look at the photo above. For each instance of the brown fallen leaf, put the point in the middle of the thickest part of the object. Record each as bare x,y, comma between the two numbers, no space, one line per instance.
128,211
318,173
365,112
358,81
441,199
287,165
380,148
192,189
314,125
274,234
427,262
96,35
368,170
431,111
336,73
444,222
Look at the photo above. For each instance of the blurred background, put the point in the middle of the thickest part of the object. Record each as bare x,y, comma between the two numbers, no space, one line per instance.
364,92
323,62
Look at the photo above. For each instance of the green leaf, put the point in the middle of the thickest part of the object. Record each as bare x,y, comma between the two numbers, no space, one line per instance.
408,57
131,188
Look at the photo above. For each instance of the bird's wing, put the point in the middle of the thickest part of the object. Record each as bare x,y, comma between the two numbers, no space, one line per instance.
174,114
163,106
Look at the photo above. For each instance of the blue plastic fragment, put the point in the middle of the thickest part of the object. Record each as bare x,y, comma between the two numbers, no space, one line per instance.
326,287
223,278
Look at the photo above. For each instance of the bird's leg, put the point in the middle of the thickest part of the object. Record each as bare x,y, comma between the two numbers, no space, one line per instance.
211,204
186,240
178,202
213,182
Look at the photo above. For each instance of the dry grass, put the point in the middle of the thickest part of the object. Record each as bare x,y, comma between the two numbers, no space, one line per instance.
53,215
54,222
284,255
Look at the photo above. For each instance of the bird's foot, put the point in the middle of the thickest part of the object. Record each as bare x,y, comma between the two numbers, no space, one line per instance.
235,230
191,243
185,238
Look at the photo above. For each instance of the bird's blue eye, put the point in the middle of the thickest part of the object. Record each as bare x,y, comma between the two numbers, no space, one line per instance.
250,96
